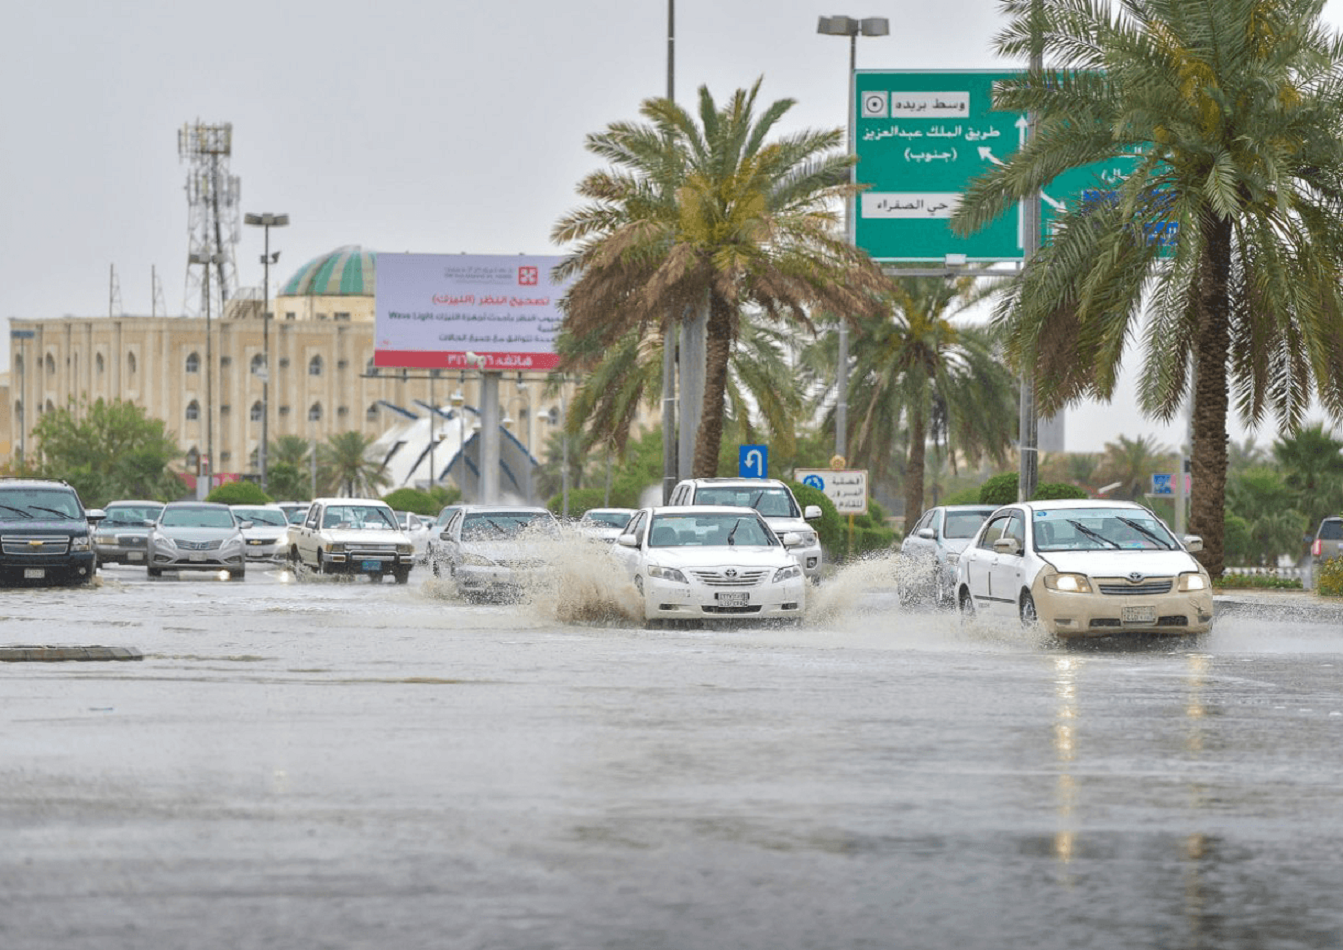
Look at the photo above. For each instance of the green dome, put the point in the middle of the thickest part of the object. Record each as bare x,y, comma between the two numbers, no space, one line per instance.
344,272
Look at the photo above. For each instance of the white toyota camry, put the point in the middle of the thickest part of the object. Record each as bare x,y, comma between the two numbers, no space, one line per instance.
711,563
1085,568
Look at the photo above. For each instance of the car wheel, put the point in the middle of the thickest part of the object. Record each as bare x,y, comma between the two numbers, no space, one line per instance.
1028,615
155,571
237,575
402,575
966,604
436,567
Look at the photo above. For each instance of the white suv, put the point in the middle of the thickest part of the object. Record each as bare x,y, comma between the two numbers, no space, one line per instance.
769,496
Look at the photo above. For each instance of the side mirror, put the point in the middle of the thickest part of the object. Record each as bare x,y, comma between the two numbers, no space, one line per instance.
926,533
627,541
791,539
1192,543
811,512
94,514
246,524
149,522
1007,546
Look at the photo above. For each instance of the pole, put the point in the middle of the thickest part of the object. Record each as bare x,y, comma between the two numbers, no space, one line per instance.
669,339
1027,433
842,361
433,411
265,358
209,386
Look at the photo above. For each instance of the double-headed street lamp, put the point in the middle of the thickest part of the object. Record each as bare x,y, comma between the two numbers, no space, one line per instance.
265,222
851,27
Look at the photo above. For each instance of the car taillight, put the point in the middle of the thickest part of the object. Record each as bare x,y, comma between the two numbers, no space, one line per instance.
1317,548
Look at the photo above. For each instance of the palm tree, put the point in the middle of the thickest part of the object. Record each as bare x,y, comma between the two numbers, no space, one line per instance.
1228,115
918,369
346,468
1131,462
1312,464
709,218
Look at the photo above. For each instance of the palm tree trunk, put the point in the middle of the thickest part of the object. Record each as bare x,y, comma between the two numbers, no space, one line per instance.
918,434
1208,459
717,350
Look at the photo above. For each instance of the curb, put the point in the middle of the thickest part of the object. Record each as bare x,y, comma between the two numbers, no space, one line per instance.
54,654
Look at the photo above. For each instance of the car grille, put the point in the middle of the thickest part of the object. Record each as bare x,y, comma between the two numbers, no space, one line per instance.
731,577
199,545
1148,586
131,540
34,544
371,550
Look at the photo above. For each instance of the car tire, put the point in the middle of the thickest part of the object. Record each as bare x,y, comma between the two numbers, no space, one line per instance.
1029,615
237,575
402,575
154,571
966,603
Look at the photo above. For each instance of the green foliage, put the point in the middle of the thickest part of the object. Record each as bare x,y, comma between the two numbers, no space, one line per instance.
580,500
1273,525
107,451
1053,491
966,496
1238,540
870,531
1330,581
1256,582
830,528
428,503
239,493
288,482
1002,490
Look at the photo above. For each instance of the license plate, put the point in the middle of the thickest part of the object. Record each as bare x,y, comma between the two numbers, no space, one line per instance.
34,573
135,556
732,599
1138,615
371,565
195,557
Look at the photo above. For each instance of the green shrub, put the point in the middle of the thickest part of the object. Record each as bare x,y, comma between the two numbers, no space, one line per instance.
580,500
1052,491
427,503
830,527
1002,490
1256,582
239,493
1330,581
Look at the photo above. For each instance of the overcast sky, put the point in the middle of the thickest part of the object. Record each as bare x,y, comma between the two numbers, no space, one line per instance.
400,126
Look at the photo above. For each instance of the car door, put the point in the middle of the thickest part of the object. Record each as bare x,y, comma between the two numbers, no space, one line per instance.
631,556
1008,569
979,559
307,535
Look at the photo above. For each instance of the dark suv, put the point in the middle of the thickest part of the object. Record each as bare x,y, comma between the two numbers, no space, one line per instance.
1328,544
46,536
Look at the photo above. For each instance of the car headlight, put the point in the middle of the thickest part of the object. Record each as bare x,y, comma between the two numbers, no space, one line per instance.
1068,583
667,574
106,538
953,558
405,549
477,560
335,548
787,573
1190,582
806,538
79,542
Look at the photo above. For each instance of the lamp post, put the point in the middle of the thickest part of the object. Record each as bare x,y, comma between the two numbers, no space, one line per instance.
458,400
852,28
208,260
265,222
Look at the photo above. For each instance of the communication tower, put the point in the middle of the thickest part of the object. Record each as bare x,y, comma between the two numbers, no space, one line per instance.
213,197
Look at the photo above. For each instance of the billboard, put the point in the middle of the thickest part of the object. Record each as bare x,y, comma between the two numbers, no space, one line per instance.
431,310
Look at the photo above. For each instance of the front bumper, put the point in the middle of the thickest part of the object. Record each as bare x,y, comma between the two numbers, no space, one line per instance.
674,600
372,564
265,549
196,561
65,569
1072,615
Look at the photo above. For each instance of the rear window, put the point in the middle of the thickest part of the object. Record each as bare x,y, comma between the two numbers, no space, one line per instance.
1331,529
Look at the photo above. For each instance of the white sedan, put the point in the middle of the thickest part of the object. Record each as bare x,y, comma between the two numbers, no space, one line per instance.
711,563
1085,568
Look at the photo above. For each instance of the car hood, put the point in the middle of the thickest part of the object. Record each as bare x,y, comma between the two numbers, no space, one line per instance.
782,523
1122,563
188,533
364,536
717,556
44,523
501,550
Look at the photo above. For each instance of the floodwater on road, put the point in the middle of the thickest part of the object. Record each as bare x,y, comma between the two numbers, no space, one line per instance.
351,765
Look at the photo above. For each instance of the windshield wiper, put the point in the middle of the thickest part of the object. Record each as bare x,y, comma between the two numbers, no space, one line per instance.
496,526
52,511
1092,534
1136,526
732,535
21,511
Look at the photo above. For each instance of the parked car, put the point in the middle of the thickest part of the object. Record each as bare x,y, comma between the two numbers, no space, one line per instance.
492,551
711,563
417,529
433,544
351,536
294,511
605,524
46,535
1085,568
775,502
123,536
1328,544
196,536
927,569
265,528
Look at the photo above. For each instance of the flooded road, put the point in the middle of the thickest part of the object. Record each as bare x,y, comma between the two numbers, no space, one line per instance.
350,765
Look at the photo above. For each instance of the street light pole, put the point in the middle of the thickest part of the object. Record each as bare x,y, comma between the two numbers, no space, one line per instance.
266,222
208,260
851,27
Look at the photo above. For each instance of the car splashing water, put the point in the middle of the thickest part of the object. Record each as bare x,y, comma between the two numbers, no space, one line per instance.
581,582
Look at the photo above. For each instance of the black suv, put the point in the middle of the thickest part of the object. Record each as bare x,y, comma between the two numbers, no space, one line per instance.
45,533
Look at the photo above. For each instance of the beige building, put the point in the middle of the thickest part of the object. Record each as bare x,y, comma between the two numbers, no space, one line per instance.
323,380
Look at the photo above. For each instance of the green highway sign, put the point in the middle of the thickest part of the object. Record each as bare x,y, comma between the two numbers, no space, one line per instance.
921,137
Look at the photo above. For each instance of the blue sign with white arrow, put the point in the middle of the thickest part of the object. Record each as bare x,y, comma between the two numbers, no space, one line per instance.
753,461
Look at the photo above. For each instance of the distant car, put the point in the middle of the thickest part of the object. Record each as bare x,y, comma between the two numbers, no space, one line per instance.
46,535
711,563
491,551
604,524
927,568
294,511
416,527
433,544
351,536
1328,544
122,537
265,529
1085,568
775,502
196,536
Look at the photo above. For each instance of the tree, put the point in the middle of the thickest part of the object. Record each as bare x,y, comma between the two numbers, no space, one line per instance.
941,380
1131,462
709,219
1272,524
1229,228
107,451
345,468
239,493
1312,464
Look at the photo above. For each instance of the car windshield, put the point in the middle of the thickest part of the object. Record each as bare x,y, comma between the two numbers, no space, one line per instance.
1093,529
132,515
1331,530
296,515
770,502
39,504
368,517
616,519
494,525
964,524
266,516
196,518
707,530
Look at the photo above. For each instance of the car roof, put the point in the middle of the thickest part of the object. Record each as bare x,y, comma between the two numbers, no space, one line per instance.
137,502
772,482
195,504
607,511
350,501
704,510
1116,503
500,509
269,506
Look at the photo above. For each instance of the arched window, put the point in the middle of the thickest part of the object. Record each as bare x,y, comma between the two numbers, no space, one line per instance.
18,362
51,365
193,411
315,366
372,413
193,363
255,414
98,363
50,407
130,365
193,459
258,361
315,412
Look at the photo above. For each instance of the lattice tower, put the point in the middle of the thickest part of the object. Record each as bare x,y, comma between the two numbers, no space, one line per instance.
213,199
